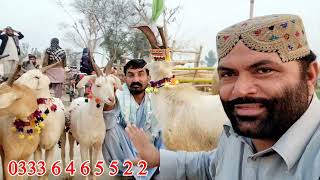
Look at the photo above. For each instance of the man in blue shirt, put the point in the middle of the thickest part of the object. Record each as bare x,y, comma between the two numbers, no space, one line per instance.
267,81
134,107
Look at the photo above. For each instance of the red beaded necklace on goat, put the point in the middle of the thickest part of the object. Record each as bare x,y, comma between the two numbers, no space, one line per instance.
97,100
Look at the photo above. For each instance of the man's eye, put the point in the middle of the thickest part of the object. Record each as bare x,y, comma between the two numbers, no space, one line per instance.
264,70
226,74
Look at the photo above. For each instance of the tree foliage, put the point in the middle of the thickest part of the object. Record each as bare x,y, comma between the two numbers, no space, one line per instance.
210,59
108,24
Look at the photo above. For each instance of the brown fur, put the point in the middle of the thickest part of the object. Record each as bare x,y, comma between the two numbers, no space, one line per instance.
23,106
11,147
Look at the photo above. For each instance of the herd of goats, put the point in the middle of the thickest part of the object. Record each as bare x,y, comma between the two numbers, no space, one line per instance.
32,120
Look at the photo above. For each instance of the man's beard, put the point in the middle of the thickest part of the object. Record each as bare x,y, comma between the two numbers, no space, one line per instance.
281,113
136,90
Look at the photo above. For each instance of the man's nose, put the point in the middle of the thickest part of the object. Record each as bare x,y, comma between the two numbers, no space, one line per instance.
244,86
136,79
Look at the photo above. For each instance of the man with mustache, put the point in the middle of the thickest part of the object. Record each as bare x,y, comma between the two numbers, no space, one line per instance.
267,87
31,63
133,107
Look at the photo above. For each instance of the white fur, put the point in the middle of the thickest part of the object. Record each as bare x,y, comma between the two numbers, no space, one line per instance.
87,122
55,121
191,120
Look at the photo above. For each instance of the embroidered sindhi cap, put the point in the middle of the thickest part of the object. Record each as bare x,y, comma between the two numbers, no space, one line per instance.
281,33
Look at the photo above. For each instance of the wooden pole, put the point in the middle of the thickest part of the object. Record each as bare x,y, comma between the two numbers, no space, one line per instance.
251,8
173,46
197,61
165,26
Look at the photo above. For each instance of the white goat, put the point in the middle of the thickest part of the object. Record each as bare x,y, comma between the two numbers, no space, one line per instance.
191,120
55,119
87,122
16,102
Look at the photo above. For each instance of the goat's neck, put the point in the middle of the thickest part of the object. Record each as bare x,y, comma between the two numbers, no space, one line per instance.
93,106
43,93
165,95
95,114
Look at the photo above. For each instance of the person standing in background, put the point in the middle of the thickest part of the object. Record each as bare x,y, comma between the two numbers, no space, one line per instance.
56,74
9,46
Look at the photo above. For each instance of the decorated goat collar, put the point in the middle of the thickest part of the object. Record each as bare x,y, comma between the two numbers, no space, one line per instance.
48,102
97,100
167,82
35,120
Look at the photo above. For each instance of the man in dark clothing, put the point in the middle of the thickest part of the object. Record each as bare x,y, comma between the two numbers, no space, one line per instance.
85,64
56,74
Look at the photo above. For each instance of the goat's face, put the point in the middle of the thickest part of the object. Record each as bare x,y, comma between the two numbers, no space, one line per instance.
159,70
104,88
35,80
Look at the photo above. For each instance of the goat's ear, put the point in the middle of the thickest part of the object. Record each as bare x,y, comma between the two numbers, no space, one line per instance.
116,82
7,99
148,65
85,80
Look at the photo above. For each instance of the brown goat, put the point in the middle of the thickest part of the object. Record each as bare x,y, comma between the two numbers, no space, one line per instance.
16,101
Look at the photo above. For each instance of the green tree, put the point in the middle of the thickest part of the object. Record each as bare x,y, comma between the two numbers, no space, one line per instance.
108,24
139,45
210,59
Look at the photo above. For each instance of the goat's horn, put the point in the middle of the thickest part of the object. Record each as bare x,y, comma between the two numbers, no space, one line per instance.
108,68
15,73
43,69
150,36
163,37
95,66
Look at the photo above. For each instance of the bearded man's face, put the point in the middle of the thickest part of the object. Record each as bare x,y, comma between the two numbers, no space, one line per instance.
137,80
262,96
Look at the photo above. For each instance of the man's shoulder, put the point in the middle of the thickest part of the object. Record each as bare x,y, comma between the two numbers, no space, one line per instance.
311,153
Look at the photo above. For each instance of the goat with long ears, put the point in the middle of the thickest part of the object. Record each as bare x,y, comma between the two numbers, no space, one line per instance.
87,124
12,95
17,103
51,110
190,119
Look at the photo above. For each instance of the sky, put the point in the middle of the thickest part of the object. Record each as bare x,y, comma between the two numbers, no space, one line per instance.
197,23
